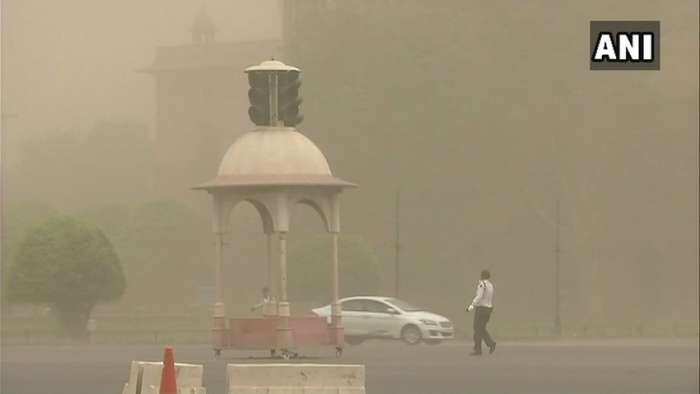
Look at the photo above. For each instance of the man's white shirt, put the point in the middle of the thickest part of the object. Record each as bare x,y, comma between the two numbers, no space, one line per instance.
484,294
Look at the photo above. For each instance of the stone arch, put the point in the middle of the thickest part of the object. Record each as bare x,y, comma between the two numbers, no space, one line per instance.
313,204
265,215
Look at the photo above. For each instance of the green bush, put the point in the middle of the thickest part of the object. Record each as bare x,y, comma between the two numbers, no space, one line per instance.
69,265
19,217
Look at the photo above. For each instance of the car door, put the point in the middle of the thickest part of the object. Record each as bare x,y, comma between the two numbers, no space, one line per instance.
377,319
353,312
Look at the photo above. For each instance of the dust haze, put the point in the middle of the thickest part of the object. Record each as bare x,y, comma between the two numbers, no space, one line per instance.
481,118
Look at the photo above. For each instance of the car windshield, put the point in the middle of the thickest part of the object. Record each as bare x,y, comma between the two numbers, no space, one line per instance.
403,305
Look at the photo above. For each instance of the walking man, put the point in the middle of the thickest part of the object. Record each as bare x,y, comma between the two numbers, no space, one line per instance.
483,303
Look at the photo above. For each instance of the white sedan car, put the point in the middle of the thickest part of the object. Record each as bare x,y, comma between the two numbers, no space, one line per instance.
389,318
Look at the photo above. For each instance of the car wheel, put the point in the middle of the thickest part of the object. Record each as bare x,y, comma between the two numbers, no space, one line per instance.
411,335
354,341
433,341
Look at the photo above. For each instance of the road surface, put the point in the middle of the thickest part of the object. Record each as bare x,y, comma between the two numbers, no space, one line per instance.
594,366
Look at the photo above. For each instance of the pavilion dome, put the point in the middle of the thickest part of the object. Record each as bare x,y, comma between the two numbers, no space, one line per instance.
274,156
282,151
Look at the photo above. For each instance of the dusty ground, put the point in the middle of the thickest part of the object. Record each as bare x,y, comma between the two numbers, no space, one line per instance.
604,366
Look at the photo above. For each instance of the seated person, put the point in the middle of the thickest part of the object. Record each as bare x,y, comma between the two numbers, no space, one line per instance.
266,299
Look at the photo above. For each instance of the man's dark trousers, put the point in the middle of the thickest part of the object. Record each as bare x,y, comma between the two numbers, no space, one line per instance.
482,315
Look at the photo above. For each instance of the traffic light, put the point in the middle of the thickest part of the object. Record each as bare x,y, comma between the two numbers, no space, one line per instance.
259,95
288,98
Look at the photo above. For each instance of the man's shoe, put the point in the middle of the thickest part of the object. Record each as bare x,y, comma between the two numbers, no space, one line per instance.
475,353
492,348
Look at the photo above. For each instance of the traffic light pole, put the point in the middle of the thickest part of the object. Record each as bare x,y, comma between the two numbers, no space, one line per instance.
557,277
397,245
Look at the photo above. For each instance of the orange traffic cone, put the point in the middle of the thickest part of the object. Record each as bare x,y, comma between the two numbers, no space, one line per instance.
168,381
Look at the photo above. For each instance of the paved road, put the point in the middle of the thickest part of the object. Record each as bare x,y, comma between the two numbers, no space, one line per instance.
606,366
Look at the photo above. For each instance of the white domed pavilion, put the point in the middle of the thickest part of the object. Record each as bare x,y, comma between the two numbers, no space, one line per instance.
275,168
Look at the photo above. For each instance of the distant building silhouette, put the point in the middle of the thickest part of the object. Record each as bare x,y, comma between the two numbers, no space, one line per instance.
203,28
201,104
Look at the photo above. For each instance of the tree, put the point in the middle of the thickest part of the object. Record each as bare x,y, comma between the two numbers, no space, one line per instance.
310,268
19,217
69,265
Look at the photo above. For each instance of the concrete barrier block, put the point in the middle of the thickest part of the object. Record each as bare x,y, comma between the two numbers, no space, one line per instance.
194,390
181,390
144,378
295,379
297,390
130,386
150,389
187,374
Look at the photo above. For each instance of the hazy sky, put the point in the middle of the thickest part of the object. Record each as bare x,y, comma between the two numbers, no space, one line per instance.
68,64
481,149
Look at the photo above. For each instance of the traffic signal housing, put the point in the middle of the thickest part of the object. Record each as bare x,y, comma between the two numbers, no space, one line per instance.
289,98
259,96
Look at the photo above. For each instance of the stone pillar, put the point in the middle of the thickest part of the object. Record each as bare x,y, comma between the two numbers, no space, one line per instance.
219,334
269,265
284,334
270,309
337,336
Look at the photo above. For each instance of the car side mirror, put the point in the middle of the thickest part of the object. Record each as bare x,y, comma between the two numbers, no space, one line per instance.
392,311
